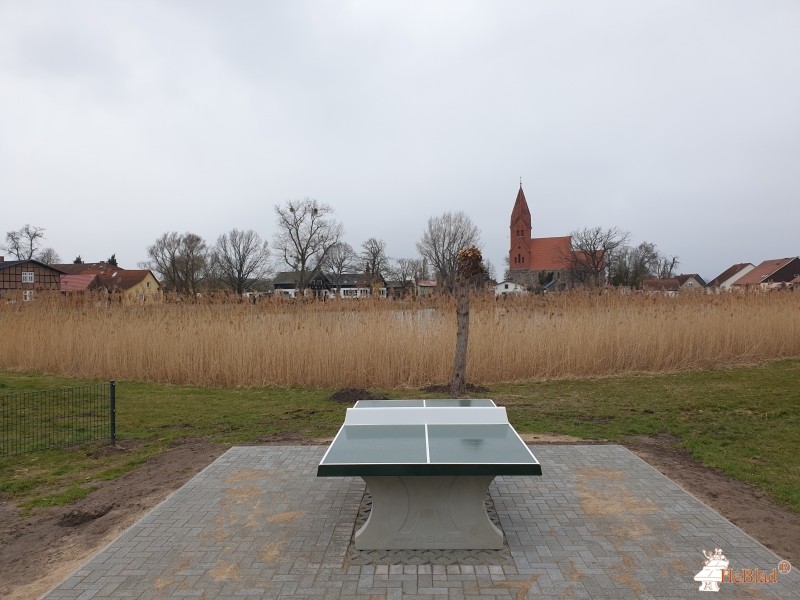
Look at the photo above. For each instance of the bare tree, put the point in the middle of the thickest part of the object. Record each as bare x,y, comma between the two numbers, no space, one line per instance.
48,256
443,239
306,234
632,265
489,271
341,259
164,260
666,266
407,271
507,267
590,251
24,243
239,257
373,253
180,261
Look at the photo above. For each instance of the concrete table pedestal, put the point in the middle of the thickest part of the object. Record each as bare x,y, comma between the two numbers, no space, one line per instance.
428,512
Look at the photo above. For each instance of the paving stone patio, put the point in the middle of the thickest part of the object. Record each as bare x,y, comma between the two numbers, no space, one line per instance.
258,524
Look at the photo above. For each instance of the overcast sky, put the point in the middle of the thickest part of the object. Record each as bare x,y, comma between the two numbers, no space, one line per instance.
678,121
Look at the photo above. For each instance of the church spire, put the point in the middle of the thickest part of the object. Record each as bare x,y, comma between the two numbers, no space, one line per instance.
521,210
519,255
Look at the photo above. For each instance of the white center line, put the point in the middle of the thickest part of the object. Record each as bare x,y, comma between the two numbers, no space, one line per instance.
427,446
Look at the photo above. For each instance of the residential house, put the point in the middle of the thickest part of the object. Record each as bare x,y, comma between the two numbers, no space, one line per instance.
323,286
665,286
690,282
778,270
22,280
508,287
397,289
729,276
128,285
673,285
360,285
426,287
285,284
132,285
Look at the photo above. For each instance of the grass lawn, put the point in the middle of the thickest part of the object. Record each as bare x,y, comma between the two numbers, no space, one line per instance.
745,421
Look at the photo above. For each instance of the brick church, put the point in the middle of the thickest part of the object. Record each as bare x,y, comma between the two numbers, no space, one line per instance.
537,263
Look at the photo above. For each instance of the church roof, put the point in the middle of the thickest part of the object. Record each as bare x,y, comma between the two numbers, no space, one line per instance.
551,253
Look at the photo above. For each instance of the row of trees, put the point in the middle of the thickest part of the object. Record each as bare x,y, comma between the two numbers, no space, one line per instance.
600,255
308,240
184,263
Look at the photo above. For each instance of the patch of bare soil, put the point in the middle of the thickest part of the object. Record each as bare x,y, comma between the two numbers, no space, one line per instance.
38,552
290,439
775,526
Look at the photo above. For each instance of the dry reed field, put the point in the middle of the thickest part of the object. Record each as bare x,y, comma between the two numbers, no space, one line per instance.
394,344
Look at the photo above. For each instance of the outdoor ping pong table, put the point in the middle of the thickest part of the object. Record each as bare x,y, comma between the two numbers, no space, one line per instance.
428,465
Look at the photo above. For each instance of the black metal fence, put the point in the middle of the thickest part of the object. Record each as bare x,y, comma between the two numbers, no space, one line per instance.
47,419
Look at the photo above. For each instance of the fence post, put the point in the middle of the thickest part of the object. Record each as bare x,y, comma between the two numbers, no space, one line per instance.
112,385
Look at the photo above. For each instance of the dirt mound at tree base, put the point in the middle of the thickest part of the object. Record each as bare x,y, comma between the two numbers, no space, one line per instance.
444,389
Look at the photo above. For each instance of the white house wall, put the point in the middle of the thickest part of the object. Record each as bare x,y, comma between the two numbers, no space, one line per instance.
726,285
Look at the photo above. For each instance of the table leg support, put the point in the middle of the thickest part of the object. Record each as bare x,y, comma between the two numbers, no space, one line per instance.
436,513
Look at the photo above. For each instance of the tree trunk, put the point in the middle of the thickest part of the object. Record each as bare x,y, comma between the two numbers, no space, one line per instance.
458,382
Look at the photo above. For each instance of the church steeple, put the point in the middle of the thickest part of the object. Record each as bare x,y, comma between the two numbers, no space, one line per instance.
519,256
521,211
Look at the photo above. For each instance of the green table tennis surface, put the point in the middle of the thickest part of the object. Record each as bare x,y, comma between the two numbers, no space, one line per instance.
427,450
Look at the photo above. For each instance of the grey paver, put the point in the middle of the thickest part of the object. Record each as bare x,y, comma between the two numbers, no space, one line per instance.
258,523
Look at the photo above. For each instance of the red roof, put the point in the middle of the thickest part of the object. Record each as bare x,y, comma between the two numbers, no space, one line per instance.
122,279
656,284
764,272
78,283
551,254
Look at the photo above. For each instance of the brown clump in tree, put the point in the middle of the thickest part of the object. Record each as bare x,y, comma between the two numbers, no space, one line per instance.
470,266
